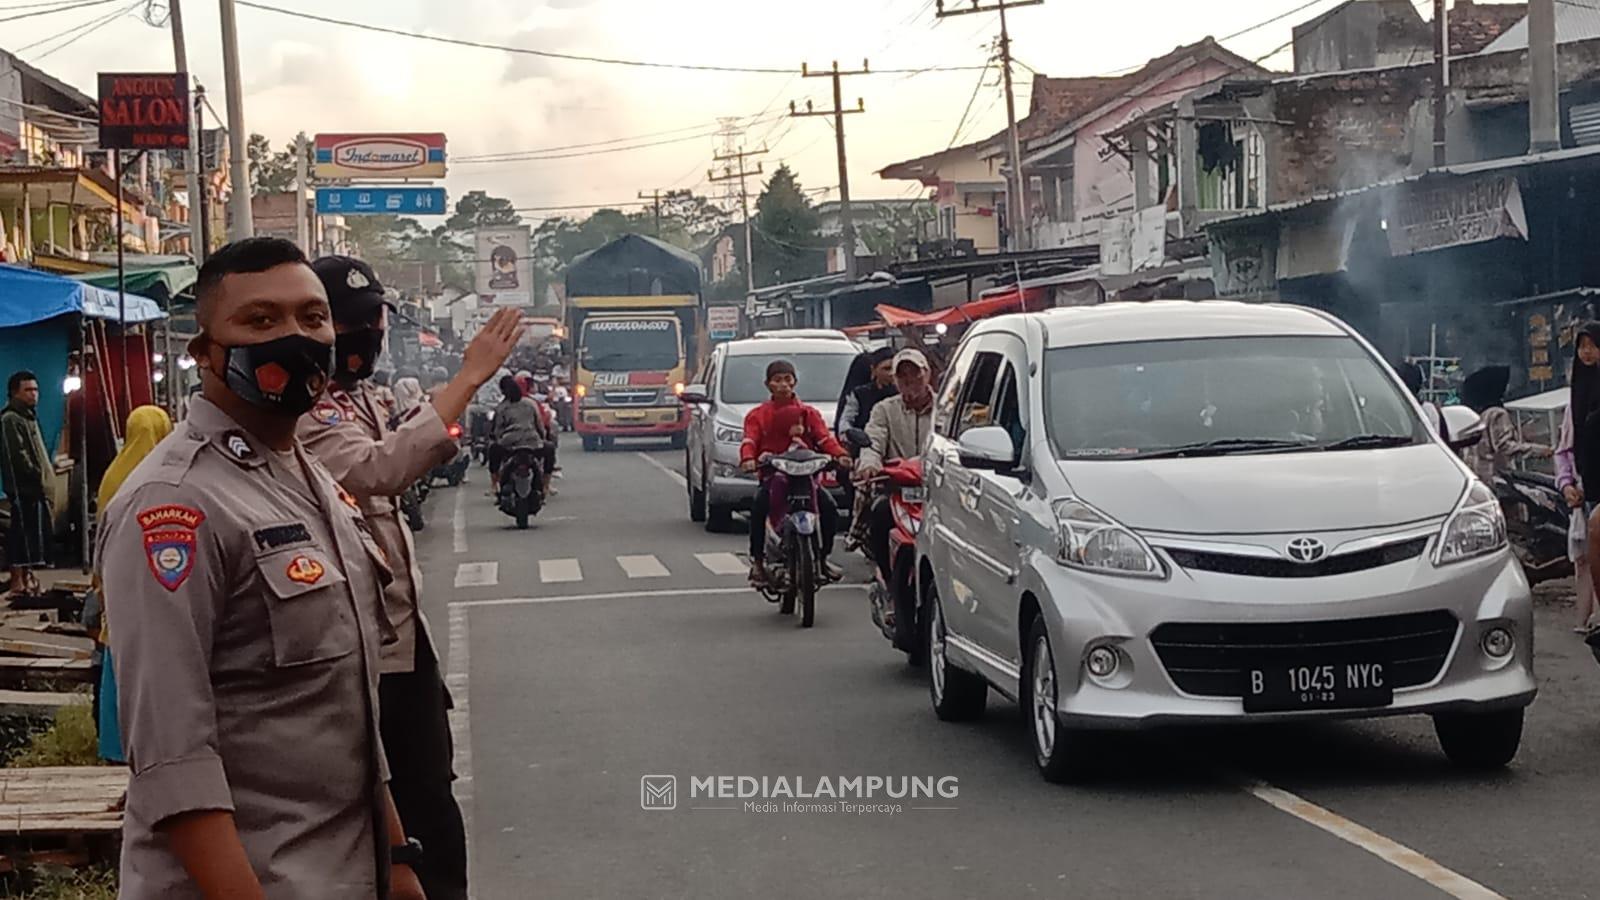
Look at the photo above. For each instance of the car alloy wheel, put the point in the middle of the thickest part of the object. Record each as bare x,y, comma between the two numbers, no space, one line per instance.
1044,699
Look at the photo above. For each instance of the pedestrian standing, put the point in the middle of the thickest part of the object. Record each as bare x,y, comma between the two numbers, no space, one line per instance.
1577,459
245,605
147,427
349,432
27,471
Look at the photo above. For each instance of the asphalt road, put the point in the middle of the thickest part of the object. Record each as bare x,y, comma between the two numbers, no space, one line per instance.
614,640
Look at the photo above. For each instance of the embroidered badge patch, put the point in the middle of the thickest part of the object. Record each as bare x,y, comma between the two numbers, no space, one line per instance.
171,534
238,447
348,498
282,536
305,570
327,413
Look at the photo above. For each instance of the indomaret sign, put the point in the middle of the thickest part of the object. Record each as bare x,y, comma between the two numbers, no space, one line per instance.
144,111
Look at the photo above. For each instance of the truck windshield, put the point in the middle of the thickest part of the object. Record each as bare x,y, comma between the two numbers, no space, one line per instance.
1220,396
630,345
820,377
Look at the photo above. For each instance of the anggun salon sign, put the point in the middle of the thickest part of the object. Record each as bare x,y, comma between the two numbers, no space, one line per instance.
144,111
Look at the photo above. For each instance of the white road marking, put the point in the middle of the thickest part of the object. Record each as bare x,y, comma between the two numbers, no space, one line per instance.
675,476
560,571
461,716
458,521
478,574
722,563
1395,854
631,595
643,567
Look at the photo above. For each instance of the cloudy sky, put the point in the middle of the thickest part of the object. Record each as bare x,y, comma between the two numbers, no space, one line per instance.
305,75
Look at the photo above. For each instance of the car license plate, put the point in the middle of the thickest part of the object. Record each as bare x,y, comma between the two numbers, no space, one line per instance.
1318,686
632,415
914,494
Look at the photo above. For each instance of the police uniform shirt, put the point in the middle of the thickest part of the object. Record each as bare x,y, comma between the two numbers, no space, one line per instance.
245,612
349,433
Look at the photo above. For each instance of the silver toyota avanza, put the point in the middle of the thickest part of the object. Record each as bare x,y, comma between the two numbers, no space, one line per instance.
1173,512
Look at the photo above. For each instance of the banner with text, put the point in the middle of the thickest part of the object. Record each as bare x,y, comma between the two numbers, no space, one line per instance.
144,111
504,266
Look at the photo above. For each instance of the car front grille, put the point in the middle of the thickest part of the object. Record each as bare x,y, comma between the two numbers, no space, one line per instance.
1211,659
1259,567
630,398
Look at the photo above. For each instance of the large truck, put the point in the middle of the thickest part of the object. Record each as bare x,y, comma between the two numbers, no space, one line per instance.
636,319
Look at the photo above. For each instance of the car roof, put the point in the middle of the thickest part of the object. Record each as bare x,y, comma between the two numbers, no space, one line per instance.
786,333
779,346
1170,320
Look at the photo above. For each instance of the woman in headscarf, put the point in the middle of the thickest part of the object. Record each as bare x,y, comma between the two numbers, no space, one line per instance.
147,427
407,394
1485,392
1578,465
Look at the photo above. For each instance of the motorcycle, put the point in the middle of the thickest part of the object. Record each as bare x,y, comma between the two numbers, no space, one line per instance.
894,604
411,507
1537,518
794,532
522,478
455,471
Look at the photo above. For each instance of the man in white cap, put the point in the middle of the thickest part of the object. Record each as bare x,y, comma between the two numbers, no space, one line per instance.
899,428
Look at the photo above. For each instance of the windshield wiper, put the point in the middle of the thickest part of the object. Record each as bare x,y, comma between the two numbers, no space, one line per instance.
1369,441
1224,447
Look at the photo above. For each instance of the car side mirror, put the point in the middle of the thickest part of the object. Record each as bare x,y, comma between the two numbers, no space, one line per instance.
989,447
695,394
1463,427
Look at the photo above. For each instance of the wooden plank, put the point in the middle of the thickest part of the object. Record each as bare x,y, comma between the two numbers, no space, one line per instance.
21,669
23,642
38,703
61,800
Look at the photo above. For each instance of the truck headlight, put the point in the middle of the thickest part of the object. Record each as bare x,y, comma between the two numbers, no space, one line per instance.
1476,528
1091,540
726,435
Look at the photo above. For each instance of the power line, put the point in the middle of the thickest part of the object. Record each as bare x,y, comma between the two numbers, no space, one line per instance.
555,156
87,29
59,9
551,54
982,76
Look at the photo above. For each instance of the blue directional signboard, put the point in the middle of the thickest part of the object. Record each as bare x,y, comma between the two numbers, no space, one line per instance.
372,201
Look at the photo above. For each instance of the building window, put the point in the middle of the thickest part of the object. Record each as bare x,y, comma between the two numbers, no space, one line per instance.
947,222
1232,166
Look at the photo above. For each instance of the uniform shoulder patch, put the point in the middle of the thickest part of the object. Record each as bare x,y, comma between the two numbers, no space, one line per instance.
238,448
327,412
348,498
171,537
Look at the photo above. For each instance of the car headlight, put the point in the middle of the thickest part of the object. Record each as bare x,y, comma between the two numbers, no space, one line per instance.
1091,540
727,435
1476,528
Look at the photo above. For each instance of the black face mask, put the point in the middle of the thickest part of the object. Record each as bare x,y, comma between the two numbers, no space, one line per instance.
286,375
356,353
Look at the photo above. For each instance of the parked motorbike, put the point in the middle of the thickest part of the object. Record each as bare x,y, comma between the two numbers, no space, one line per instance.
894,604
411,507
455,471
1537,517
794,532
522,479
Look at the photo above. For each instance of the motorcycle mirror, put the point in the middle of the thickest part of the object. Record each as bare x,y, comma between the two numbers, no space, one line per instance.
857,438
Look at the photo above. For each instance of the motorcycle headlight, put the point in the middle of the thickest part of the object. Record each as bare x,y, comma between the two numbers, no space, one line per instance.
729,435
1476,528
1093,541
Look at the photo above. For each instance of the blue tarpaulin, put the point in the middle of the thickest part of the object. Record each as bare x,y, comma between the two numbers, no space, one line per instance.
28,296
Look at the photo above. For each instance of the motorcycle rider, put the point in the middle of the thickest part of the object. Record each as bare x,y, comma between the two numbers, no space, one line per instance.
899,428
518,424
348,430
773,428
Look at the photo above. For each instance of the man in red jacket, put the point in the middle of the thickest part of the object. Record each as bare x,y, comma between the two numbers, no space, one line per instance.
773,428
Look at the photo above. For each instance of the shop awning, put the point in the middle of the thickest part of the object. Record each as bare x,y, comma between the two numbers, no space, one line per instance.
28,296
158,282
1012,300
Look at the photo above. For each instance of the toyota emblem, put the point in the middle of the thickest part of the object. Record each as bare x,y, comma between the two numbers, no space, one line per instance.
1307,550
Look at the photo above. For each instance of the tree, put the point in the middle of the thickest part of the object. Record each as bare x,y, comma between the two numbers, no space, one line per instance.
479,210
787,243
271,173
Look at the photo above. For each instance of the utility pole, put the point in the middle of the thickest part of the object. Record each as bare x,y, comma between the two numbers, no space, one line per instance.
655,197
846,217
191,170
238,139
729,173
1016,202
1544,97
202,200
302,178
1441,82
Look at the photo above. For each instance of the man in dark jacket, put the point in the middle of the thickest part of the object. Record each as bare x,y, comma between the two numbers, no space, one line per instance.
27,470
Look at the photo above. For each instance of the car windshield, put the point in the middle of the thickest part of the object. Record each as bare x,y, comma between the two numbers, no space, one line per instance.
821,376
1220,396
630,345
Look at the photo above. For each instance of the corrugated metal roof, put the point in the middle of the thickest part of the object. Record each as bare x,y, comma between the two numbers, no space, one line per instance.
1576,20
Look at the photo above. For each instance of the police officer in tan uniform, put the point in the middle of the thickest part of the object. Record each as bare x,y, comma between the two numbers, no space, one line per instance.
244,595
349,432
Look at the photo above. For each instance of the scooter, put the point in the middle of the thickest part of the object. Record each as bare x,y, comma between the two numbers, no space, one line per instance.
895,609
1537,518
455,471
411,507
522,478
794,532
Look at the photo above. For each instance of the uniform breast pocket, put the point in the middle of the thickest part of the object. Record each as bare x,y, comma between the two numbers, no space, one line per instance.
308,607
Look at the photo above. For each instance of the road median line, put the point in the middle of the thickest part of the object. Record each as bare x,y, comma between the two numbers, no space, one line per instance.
627,595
